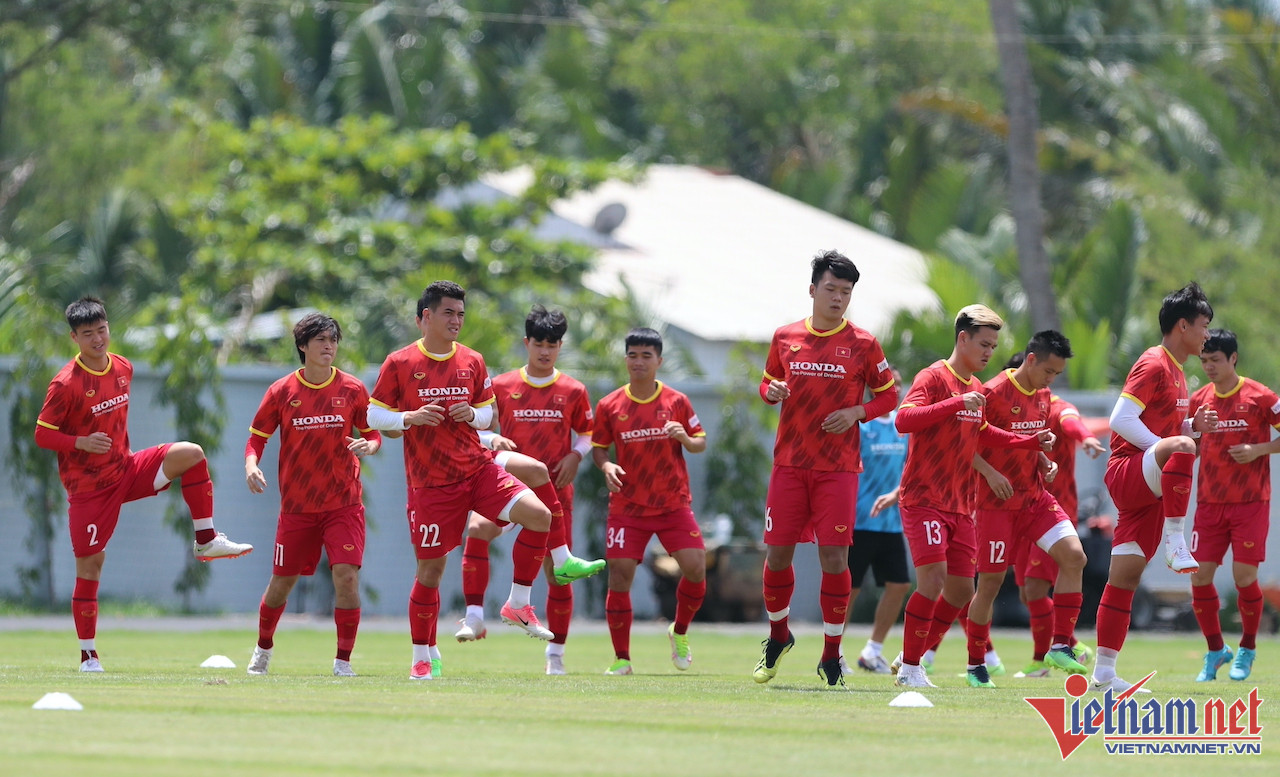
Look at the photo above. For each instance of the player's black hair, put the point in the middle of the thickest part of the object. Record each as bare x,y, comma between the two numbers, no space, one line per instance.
548,326
86,310
837,264
1015,361
1221,341
311,326
437,291
643,335
1187,303
1049,342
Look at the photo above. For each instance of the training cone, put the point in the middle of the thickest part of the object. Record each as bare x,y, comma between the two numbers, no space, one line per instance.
218,662
910,699
57,701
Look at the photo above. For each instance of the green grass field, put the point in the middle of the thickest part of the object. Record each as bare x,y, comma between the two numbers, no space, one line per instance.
155,712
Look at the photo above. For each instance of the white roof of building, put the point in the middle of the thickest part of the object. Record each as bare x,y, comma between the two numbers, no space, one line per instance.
727,259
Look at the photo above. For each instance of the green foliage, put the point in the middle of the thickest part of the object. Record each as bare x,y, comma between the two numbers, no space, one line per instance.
739,459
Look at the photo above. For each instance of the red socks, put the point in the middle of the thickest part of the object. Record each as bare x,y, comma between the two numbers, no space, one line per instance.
559,611
348,623
526,555
916,622
1066,611
1042,626
1175,483
1114,611
197,492
424,611
689,598
84,608
475,570
617,613
778,588
555,534
1205,605
1250,604
833,598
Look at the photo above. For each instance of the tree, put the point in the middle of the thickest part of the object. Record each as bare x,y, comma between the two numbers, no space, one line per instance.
1024,174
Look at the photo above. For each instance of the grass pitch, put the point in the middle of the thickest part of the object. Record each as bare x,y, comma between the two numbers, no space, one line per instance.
156,712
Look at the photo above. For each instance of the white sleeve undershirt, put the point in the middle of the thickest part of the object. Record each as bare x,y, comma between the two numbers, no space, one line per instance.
582,445
387,420
483,417
1125,422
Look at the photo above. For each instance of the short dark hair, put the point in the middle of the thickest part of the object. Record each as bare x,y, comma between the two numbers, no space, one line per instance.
86,310
1221,341
437,291
1015,361
311,326
971,318
643,335
835,263
1049,342
1187,303
548,326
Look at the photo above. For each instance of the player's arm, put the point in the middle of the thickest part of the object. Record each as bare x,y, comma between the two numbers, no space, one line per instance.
368,443
913,418
773,390
883,400
1000,485
253,449
693,443
1126,421
613,474
995,437
1246,452
1074,430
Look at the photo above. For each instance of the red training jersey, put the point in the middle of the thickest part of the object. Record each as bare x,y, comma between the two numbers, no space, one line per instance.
656,479
1015,408
542,420
80,402
939,471
1158,384
826,371
1063,487
411,378
316,471
1246,414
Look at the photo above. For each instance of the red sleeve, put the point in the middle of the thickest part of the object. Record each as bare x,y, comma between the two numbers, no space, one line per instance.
996,437
256,445
372,435
918,418
881,403
54,440
1074,429
764,390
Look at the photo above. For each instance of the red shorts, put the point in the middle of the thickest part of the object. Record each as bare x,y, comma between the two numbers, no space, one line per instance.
92,516
1139,512
1032,562
805,505
934,536
999,531
626,536
438,514
1243,527
300,536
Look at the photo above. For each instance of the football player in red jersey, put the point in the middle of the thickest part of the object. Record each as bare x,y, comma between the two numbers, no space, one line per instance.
439,393
650,426
944,414
818,369
85,418
1014,505
545,420
318,410
1233,500
1153,451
